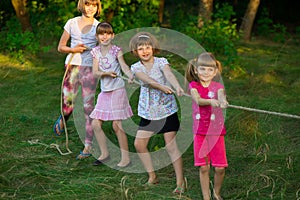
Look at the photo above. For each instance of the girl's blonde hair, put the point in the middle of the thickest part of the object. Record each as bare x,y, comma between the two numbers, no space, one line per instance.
206,59
82,3
104,27
143,38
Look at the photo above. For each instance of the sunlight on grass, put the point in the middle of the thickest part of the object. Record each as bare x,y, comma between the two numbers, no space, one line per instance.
6,61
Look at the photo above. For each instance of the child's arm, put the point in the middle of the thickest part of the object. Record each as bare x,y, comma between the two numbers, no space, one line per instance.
203,102
172,79
222,98
99,73
125,67
63,48
152,83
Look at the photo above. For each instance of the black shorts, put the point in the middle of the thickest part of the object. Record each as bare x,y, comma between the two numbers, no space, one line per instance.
171,123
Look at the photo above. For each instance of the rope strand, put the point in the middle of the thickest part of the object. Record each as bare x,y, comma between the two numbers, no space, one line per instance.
264,111
238,107
62,113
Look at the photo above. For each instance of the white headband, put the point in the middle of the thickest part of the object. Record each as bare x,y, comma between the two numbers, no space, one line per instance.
145,36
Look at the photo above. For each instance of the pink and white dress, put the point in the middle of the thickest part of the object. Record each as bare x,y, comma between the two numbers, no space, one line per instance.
112,102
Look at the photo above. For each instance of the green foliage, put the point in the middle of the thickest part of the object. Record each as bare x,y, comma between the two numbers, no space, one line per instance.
218,35
49,17
266,27
45,27
298,30
129,14
18,43
46,31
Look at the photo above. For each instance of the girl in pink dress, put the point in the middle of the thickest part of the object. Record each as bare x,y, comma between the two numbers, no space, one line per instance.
208,121
112,103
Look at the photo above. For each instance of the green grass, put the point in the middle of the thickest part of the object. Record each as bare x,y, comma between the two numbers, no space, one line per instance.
263,150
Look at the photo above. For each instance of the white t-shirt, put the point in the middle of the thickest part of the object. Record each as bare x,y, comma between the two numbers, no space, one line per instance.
77,37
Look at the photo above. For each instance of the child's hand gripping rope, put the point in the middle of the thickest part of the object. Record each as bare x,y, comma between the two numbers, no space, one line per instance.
236,107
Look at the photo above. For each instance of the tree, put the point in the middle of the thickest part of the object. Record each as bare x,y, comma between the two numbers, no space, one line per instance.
247,23
22,13
109,14
161,11
205,11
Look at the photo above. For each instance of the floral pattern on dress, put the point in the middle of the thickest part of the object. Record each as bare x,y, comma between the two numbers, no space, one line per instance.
153,103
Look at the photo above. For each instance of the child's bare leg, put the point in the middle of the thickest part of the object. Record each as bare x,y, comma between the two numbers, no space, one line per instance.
204,181
175,155
101,138
141,143
218,181
123,143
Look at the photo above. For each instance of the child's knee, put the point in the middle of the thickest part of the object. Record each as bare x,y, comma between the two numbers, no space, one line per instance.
117,126
139,146
96,124
219,170
204,169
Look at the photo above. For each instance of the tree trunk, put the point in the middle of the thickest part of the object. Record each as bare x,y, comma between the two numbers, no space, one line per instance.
161,11
247,23
205,11
22,14
109,14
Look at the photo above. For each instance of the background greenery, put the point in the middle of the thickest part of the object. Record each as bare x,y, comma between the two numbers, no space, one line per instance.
263,150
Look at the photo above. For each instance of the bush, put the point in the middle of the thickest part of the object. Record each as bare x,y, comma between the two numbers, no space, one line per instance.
133,14
17,43
218,35
266,28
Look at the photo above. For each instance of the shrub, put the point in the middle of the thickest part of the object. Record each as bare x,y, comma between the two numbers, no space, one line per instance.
133,14
218,35
266,28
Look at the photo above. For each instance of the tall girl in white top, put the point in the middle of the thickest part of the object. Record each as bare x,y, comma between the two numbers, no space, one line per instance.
80,32
112,103
157,105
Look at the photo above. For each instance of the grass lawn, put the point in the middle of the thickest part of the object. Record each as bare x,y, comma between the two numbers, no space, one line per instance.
263,150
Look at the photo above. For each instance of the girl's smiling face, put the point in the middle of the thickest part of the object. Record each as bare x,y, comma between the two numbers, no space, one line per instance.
206,74
105,38
90,9
145,52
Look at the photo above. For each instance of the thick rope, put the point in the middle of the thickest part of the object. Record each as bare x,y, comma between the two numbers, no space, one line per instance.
62,112
264,111
53,145
238,107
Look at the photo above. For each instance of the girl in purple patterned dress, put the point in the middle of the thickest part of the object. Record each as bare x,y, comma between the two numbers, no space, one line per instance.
112,103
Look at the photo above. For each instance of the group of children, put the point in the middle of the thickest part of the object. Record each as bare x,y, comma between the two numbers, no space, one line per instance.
93,56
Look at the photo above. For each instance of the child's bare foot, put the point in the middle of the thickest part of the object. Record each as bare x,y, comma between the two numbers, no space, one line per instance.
152,181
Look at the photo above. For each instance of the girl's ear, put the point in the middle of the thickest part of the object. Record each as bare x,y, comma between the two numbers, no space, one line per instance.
113,36
216,71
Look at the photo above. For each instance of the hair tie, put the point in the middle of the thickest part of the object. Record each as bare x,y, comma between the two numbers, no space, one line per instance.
145,36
